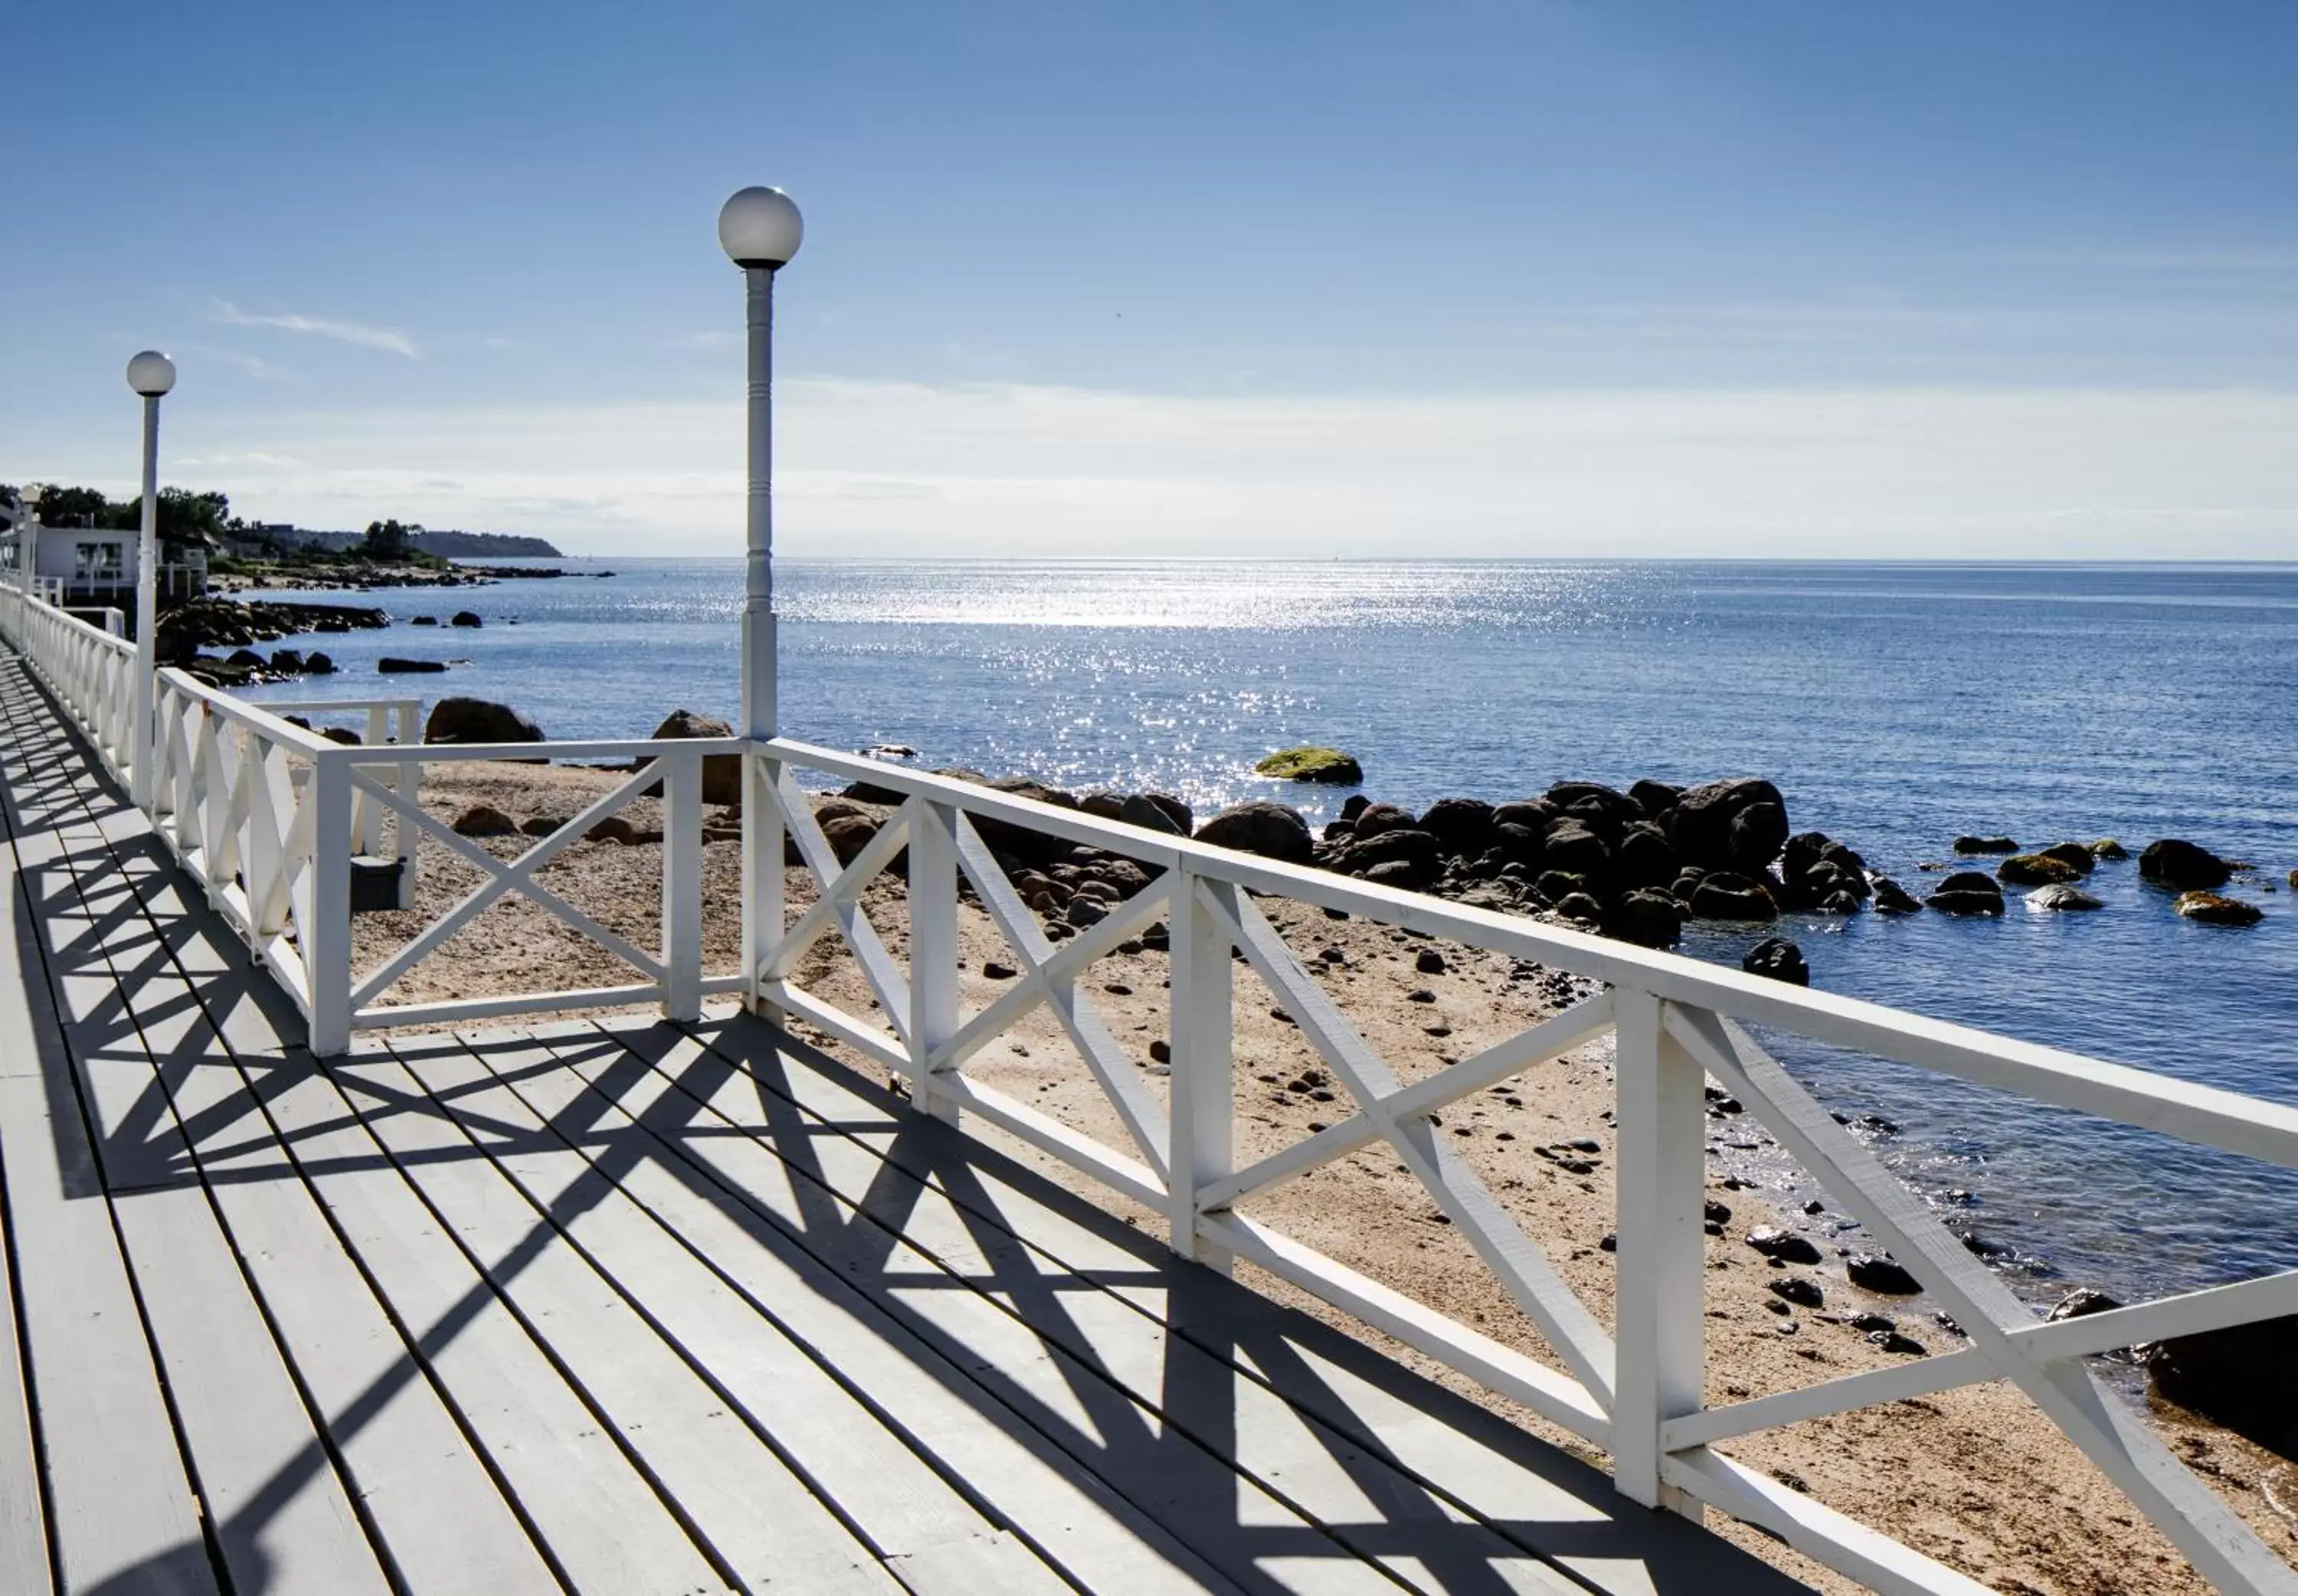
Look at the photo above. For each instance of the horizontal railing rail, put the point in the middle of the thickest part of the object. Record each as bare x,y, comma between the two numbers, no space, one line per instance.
1676,1023
90,671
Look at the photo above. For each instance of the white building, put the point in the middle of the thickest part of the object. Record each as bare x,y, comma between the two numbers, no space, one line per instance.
85,565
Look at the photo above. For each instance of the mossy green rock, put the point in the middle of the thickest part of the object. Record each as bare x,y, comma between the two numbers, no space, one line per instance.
2035,870
1328,765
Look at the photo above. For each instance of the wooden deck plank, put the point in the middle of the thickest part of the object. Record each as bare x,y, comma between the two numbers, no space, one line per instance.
1236,1522
444,1522
1544,1503
23,1526
1356,1497
736,1496
932,1398
936,1539
120,1501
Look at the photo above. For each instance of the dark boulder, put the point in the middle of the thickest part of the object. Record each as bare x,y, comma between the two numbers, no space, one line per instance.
1572,847
287,662
1985,845
2245,1378
464,617
484,820
1104,805
1400,873
1723,896
1354,804
1700,825
1882,1274
1581,908
1600,808
1891,898
722,774
2077,856
1374,819
1786,1245
423,621
1272,830
2062,896
1522,844
246,659
1532,813
1799,1289
1644,856
1967,892
1647,918
477,720
1757,831
849,834
1464,825
318,665
1156,812
1555,885
2210,909
2107,848
2182,866
391,665
1407,842
1779,959
1655,798
2036,870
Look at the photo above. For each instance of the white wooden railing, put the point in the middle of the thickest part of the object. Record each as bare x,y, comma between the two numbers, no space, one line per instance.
92,673
1639,1393
268,816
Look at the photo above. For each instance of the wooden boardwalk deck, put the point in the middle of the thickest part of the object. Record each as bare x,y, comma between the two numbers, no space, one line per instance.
637,1309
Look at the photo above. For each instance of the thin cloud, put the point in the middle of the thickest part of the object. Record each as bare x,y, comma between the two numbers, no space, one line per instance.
389,340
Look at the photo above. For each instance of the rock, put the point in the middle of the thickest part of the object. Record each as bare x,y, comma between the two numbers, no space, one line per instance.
1779,959
1329,767
1882,1274
1644,856
1572,847
849,834
1787,1246
1272,830
1967,892
1656,797
1104,805
1580,908
484,820
287,662
245,659
391,665
318,665
617,830
1409,844
1645,917
1600,808
1701,824
1083,912
2081,1303
1464,825
2063,896
722,774
464,617
1400,873
1891,898
1429,962
2210,908
2183,866
2107,847
1985,845
541,825
2076,855
1157,812
994,970
475,720
1723,896
2245,1378
423,621
1757,831
1374,819
1799,1289
2036,870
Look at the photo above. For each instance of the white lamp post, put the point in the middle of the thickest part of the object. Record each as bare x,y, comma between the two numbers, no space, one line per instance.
151,374
760,229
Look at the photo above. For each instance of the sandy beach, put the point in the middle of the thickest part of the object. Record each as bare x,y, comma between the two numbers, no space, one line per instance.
1976,1478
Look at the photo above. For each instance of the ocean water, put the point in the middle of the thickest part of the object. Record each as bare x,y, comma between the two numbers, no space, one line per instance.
1896,705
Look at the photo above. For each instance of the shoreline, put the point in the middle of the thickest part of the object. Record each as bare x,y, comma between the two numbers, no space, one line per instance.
1918,1469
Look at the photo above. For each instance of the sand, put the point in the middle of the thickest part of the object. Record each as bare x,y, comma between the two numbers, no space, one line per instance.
1977,1478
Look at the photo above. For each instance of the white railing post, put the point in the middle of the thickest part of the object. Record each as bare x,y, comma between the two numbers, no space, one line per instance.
764,918
682,886
1662,1259
328,954
1200,1142
933,952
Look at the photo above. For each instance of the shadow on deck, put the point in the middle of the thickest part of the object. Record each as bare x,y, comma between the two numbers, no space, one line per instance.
636,1307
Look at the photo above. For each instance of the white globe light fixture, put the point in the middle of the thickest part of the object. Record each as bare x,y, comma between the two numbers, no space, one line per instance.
760,227
150,374
760,231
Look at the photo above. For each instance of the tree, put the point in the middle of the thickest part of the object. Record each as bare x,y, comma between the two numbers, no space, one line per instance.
388,540
62,506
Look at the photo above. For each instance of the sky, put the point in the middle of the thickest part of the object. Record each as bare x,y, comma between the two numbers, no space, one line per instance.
1463,278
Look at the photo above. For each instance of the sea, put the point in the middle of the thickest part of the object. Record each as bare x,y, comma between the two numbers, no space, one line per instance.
1896,705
